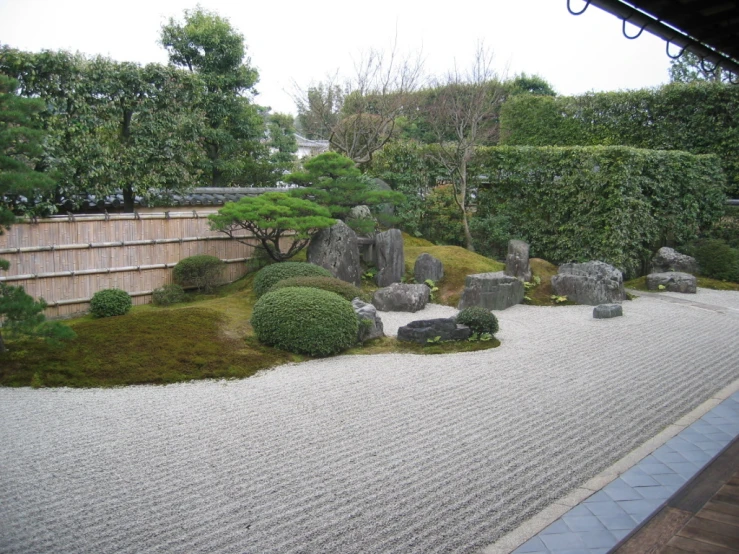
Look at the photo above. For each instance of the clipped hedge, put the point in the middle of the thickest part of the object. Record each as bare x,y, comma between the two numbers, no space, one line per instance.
201,271
701,118
169,294
305,321
331,284
479,320
716,259
110,302
614,204
273,274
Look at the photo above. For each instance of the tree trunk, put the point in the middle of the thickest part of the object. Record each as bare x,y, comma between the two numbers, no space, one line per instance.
128,200
467,235
2,344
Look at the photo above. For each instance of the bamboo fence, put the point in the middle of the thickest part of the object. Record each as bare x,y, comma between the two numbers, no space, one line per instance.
66,259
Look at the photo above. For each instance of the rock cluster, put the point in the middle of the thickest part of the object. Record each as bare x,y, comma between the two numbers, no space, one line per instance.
666,259
517,260
606,311
673,281
370,324
336,249
492,291
428,267
423,330
590,283
401,298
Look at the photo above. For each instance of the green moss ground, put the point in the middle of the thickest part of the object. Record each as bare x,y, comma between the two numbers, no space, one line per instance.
207,336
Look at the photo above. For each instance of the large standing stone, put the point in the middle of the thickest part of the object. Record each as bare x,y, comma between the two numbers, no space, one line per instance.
607,311
667,259
492,291
401,298
428,267
335,248
362,213
422,330
517,260
591,283
673,281
390,257
370,324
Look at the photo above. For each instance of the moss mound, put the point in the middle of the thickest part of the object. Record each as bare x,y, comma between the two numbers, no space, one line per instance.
273,274
305,321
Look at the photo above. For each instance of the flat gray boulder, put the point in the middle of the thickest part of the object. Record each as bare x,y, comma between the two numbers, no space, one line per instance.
428,267
517,260
370,324
607,311
336,249
667,259
401,298
673,281
492,291
422,330
591,283
390,257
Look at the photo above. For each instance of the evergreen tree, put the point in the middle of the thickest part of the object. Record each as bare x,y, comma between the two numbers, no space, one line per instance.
333,181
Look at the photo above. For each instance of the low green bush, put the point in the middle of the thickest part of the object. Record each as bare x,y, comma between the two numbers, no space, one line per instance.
305,321
716,259
273,274
168,294
479,320
110,302
201,271
331,284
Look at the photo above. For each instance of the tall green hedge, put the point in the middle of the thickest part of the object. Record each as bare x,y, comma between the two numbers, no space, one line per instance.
701,118
614,204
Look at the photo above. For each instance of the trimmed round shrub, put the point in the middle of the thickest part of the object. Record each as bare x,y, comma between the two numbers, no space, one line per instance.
305,321
717,259
478,319
110,302
168,294
202,271
331,284
273,274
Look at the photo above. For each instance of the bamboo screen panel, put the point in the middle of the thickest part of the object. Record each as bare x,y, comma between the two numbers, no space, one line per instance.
65,260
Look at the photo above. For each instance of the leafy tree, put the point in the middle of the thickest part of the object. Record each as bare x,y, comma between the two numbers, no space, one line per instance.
689,68
530,84
272,217
333,181
463,114
318,110
23,317
112,126
207,45
20,151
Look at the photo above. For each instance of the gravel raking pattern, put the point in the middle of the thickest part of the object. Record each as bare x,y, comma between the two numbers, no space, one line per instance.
370,454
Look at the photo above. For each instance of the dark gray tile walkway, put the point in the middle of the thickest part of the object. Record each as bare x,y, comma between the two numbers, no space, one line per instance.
599,522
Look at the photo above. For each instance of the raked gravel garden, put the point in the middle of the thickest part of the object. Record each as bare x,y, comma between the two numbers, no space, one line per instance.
385,453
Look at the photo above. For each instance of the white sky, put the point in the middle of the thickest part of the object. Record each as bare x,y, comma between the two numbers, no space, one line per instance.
305,41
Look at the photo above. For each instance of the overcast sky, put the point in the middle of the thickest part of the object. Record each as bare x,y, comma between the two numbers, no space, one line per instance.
304,41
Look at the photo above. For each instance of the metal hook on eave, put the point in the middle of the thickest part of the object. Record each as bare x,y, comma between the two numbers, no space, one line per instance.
637,35
667,50
582,11
710,71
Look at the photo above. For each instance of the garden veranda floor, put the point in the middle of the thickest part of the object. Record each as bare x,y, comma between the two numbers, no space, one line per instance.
389,453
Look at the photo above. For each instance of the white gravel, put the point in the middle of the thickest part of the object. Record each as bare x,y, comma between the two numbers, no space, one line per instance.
370,454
